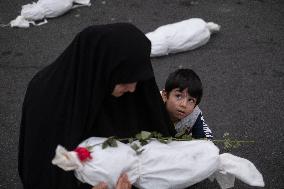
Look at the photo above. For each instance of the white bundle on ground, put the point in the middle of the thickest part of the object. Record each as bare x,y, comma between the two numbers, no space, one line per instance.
181,36
45,9
160,166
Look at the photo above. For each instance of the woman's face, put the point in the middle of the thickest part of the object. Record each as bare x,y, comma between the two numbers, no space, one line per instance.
120,89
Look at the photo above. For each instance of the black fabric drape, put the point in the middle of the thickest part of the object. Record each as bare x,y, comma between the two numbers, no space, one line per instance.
71,100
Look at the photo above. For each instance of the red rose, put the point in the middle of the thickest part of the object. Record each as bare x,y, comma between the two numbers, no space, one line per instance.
83,153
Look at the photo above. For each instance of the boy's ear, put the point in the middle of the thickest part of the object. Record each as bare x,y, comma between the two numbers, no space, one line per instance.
164,95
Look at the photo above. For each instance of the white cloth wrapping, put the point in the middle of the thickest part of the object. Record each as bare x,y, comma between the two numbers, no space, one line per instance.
160,166
181,36
44,9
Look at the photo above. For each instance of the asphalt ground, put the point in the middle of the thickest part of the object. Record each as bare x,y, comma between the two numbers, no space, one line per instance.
241,68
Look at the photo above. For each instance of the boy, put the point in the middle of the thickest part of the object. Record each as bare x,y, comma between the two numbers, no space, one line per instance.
182,93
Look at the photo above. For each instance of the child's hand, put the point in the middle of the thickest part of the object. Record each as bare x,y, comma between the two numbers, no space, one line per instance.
101,185
123,182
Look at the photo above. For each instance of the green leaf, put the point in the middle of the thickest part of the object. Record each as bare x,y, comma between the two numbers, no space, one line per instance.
145,135
89,148
186,137
179,135
143,142
138,136
138,152
105,144
130,140
135,147
170,139
162,141
113,143
236,144
156,135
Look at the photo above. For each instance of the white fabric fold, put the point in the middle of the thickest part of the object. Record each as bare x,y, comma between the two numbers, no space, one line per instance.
20,21
181,36
45,9
67,161
225,180
241,168
177,164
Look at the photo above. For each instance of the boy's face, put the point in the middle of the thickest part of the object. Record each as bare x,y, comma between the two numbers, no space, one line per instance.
179,103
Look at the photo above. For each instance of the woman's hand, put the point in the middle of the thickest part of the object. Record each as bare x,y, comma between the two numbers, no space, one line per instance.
101,185
123,182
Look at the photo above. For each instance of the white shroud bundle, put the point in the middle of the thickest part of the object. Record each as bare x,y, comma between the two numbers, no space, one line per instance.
160,166
45,9
181,36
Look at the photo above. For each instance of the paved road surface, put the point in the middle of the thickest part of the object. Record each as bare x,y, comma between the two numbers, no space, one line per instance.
241,68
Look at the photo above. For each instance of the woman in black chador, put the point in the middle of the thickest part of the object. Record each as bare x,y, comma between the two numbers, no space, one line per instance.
101,85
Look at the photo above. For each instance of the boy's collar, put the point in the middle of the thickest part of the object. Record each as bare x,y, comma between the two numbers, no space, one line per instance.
188,121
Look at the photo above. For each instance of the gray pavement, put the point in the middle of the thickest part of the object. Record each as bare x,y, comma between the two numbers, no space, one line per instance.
241,68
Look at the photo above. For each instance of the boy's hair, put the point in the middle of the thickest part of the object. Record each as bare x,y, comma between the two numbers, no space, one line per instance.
185,78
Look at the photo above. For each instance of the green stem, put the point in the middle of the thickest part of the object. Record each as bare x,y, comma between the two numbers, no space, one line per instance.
122,139
180,139
240,141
